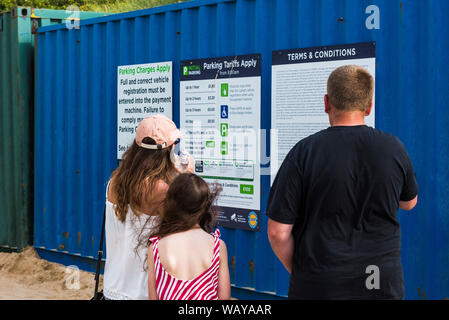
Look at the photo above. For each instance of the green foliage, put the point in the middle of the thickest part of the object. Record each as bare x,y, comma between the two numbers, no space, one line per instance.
113,6
6,5
130,5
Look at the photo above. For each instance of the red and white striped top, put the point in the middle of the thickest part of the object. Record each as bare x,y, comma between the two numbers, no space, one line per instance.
202,287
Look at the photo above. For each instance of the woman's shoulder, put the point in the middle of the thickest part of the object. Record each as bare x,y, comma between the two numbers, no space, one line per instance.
110,194
159,187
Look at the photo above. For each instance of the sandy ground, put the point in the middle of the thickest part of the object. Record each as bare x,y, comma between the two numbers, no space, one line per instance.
25,276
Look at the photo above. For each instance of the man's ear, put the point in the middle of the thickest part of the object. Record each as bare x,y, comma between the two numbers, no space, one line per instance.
326,104
368,111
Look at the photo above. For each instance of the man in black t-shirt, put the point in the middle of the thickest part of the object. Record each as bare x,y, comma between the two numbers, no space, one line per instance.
333,206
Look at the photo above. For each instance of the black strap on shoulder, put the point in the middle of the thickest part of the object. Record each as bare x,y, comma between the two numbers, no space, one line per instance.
100,254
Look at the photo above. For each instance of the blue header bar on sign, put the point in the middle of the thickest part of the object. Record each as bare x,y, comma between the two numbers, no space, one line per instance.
326,53
223,67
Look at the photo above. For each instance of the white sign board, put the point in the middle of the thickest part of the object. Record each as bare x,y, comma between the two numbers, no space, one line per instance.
142,90
220,121
299,83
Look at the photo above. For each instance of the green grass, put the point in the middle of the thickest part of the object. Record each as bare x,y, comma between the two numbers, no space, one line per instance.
130,5
112,6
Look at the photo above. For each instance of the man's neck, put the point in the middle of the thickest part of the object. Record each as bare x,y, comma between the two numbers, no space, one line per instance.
355,118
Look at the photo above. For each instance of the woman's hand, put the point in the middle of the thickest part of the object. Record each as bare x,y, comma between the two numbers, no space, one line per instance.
186,168
189,168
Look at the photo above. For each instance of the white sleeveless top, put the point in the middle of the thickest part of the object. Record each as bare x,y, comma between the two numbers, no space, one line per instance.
124,274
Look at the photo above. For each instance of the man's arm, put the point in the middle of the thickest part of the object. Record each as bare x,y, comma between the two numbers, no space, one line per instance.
409,193
281,240
408,205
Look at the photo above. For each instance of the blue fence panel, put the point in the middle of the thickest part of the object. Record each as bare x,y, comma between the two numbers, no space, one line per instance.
76,112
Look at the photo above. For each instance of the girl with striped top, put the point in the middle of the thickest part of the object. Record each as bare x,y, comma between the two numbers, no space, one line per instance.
185,260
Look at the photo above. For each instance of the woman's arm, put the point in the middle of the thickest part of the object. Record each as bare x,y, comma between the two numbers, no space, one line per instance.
224,282
152,293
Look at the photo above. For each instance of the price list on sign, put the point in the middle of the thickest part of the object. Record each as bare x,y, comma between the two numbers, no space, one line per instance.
220,120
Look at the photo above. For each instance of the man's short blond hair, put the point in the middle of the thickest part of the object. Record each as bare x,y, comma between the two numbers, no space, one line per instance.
350,88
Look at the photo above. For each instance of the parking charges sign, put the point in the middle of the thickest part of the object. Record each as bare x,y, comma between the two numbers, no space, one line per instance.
220,120
142,90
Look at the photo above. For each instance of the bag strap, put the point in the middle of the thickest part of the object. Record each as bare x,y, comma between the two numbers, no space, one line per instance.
100,254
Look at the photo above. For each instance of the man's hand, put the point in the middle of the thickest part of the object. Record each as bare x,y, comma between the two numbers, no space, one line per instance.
281,240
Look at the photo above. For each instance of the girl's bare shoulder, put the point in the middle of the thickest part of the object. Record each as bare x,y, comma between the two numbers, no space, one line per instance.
185,237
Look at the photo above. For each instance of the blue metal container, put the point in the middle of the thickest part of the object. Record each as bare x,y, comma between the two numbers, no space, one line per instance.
17,28
75,118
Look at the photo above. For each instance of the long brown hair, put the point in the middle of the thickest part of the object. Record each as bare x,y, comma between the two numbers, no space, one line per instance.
137,174
189,201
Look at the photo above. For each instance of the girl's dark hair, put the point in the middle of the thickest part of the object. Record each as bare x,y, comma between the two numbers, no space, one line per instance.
189,201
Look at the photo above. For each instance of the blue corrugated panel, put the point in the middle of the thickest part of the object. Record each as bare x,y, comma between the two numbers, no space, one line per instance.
17,39
76,112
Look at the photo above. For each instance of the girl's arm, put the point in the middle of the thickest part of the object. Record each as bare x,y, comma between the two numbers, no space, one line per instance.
152,294
224,282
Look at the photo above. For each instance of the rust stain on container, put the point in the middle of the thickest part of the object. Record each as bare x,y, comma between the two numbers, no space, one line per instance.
61,246
79,238
65,234
34,27
232,263
422,294
251,267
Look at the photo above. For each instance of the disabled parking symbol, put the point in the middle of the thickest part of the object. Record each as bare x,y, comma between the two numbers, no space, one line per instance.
224,112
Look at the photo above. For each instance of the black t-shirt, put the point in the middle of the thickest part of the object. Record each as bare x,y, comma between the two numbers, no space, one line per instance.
341,188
